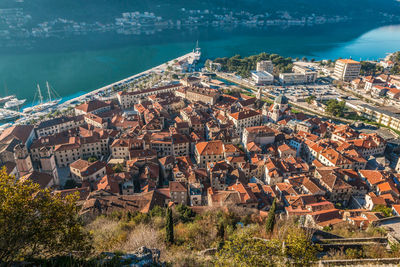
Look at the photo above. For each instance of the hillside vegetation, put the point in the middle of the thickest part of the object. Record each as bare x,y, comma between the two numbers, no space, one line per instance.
107,9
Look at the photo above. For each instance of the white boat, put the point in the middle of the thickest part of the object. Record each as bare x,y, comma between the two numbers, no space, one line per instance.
6,98
14,103
197,52
7,116
43,105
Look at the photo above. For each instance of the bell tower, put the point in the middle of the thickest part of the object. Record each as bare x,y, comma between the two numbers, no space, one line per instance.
23,160
48,163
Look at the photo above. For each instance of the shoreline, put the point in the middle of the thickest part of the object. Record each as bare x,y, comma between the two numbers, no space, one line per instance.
127,80
81,97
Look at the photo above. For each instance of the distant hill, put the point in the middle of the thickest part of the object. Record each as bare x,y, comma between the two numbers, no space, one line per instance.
106,10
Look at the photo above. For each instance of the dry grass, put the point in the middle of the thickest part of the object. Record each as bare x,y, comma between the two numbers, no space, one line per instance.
350,231
111,235
143,235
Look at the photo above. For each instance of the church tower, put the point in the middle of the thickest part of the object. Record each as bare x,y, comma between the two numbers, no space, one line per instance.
259,94
281,104
23,160
48,164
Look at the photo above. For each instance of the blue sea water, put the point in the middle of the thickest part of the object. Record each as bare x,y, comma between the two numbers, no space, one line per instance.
74,65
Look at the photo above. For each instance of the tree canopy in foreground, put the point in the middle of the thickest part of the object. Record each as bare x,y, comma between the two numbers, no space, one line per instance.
34,223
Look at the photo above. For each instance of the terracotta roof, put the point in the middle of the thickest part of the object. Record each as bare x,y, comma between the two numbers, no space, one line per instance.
241,115
348,61
83,192
109,183
374,177
387,187
87,168
10,166
20,132
210,148
41,178
91,105
177,187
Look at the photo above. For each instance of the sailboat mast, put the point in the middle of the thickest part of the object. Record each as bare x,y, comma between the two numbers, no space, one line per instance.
48,90
40,94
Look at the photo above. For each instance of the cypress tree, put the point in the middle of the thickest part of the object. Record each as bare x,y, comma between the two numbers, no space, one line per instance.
221,231
269,225
169,227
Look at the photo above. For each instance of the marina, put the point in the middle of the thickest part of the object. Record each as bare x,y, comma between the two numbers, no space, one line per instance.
42,107
14,103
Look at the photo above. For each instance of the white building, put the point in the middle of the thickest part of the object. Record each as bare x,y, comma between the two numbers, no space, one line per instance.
346,70
265,65
292,78
262,77
311,75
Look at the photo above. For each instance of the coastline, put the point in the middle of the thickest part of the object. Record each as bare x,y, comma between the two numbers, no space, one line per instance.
81,96
127,80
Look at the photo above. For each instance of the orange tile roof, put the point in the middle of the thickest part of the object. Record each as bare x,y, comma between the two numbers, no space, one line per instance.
210,148
348,61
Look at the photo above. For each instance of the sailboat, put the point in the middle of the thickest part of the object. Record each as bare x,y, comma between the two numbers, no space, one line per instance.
51,102
197,52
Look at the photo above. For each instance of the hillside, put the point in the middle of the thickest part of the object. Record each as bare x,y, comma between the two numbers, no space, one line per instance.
106,10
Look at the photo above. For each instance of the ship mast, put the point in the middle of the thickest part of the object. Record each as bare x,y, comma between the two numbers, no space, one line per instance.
40,94
48,90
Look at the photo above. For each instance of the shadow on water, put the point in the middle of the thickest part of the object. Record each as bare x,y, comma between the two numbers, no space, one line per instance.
83,63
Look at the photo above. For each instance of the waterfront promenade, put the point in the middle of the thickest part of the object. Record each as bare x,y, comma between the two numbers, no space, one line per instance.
159,69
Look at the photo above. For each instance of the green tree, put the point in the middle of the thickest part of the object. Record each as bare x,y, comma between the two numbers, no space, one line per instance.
368,68
186,214
70,183
34,222
243,250
335,108
310,99
92,159
386,211
169,227
299,248
269,225
118,168
221,231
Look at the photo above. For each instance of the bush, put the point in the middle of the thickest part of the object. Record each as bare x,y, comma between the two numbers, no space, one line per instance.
92,159
185,213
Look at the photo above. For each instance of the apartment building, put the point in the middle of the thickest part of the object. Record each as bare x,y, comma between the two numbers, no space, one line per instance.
93,106
262,77
167,144
96,121
92,145
58,125
209,152
82,170
261,135
265,65
310,74
292,78
129,99
387,116
346,70
245,118
208,96
121,148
